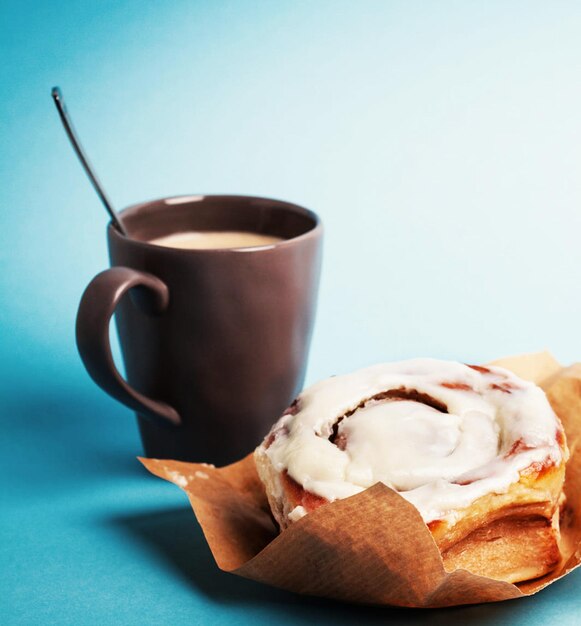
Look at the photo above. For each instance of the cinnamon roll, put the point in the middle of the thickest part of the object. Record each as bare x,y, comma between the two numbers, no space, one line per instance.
478,451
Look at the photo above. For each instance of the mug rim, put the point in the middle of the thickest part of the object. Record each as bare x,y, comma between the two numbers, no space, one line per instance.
134,209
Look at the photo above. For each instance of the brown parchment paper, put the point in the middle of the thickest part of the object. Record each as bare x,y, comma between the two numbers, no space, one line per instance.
371,548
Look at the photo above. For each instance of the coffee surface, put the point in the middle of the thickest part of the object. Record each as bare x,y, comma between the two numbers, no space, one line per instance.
207,240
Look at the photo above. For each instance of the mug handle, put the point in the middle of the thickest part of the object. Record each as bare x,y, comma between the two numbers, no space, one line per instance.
98,303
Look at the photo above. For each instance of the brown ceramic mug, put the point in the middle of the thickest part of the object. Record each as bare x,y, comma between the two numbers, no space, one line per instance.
214,341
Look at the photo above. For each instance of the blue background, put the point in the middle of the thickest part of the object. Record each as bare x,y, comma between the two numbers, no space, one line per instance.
439,141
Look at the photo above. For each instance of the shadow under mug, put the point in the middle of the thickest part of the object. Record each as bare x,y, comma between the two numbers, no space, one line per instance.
214,341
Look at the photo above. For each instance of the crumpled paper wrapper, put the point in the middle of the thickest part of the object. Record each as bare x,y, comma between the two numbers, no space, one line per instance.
371,548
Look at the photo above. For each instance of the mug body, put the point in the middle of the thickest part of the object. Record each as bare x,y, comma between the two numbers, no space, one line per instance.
229,351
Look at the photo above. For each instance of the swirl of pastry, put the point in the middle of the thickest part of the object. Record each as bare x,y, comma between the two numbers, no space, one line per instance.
459,442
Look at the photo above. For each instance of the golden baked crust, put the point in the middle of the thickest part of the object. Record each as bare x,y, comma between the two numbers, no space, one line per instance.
512,536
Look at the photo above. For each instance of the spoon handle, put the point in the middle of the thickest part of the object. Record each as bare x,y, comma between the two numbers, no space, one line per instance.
65,119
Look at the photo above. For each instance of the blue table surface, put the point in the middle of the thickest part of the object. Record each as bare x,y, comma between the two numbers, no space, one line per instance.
440,143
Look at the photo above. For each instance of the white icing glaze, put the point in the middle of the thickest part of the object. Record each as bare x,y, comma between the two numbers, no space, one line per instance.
420,451
297,513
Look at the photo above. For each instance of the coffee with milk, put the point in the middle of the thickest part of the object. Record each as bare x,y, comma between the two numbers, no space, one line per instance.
211,240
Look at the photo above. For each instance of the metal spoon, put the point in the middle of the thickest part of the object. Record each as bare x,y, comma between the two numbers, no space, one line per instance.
60,105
